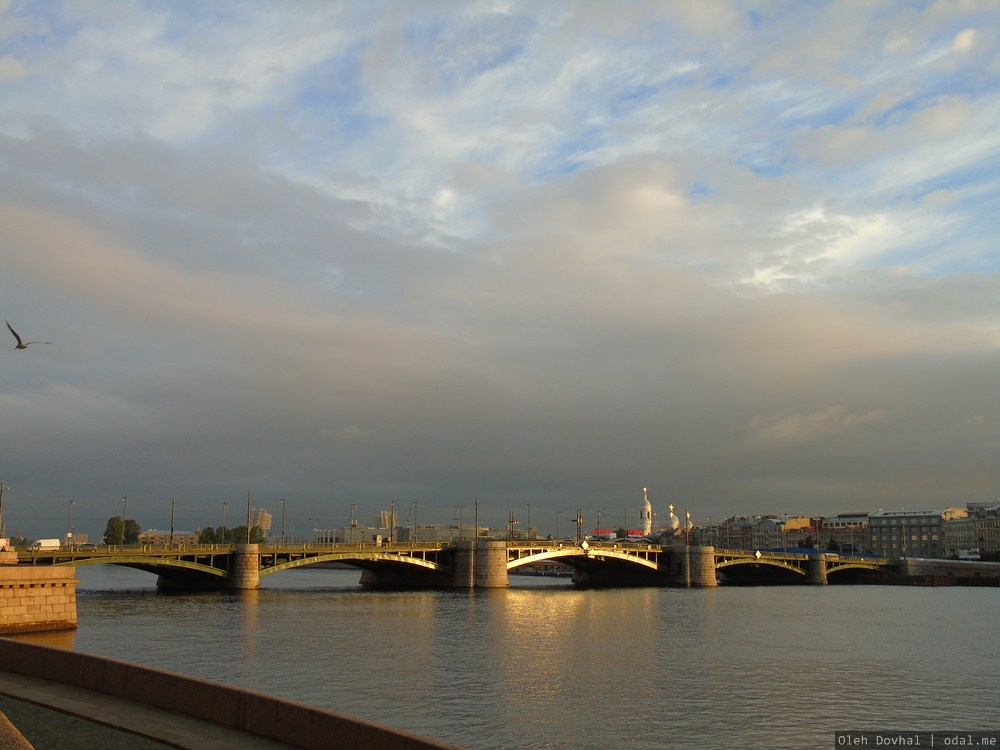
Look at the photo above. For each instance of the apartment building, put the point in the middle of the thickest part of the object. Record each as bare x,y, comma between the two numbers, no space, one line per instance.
910,533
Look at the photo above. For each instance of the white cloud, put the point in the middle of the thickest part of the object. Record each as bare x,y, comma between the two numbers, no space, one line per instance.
964,41
555,246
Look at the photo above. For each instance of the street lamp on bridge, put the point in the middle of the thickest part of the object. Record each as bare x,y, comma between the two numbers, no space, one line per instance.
1,510
124,516
282,520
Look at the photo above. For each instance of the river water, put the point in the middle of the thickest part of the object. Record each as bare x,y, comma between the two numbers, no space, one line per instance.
545,665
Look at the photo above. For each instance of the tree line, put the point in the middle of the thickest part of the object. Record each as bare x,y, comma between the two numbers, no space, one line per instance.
115,533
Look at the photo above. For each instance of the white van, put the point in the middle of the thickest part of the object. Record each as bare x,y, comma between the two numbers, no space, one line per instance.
44,544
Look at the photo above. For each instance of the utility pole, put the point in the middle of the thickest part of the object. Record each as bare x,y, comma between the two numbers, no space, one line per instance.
1,509
124,516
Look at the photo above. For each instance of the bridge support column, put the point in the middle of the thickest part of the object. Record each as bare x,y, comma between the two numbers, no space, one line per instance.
480,564
817,570
244,567
693,565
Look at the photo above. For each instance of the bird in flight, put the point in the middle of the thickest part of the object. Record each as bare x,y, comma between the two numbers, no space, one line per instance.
22,344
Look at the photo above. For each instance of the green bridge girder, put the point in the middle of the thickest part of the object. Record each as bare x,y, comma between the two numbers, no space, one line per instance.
644,555
213,561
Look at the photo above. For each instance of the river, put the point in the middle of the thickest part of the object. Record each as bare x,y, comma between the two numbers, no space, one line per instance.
545,665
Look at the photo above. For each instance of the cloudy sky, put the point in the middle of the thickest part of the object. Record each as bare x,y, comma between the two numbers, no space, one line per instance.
543,254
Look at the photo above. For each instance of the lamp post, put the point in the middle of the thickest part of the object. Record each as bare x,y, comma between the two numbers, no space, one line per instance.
282,520
558,519
69,527
1,510
527,528
225,507
625,522
124,517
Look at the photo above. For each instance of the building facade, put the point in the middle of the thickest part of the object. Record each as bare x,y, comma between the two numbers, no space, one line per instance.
844,531
910,533
165,538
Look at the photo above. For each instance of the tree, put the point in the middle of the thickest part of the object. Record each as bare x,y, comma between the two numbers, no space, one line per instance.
113,531
209,535
237,535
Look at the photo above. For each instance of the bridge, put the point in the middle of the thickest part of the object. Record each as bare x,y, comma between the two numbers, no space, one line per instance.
463,564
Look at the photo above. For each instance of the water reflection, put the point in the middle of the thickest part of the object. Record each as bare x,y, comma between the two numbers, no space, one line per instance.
546,665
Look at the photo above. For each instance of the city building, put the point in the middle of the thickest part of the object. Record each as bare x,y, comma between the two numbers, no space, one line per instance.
910,533
164,538
387,519
844,531
958,536
986,527
260,517
780,532
436,533
735,532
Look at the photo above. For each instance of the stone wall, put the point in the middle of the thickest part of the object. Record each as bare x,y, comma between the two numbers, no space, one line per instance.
959,569
37,598
291,722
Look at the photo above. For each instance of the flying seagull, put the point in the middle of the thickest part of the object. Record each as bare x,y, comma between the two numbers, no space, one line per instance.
21,344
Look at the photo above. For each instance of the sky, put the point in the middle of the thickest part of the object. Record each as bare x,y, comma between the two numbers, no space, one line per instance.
541,255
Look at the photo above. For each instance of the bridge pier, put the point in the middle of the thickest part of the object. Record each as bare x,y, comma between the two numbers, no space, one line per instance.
480,564
244,567
693,565
817,569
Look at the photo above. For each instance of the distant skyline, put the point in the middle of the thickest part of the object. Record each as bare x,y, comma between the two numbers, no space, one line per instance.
743,254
